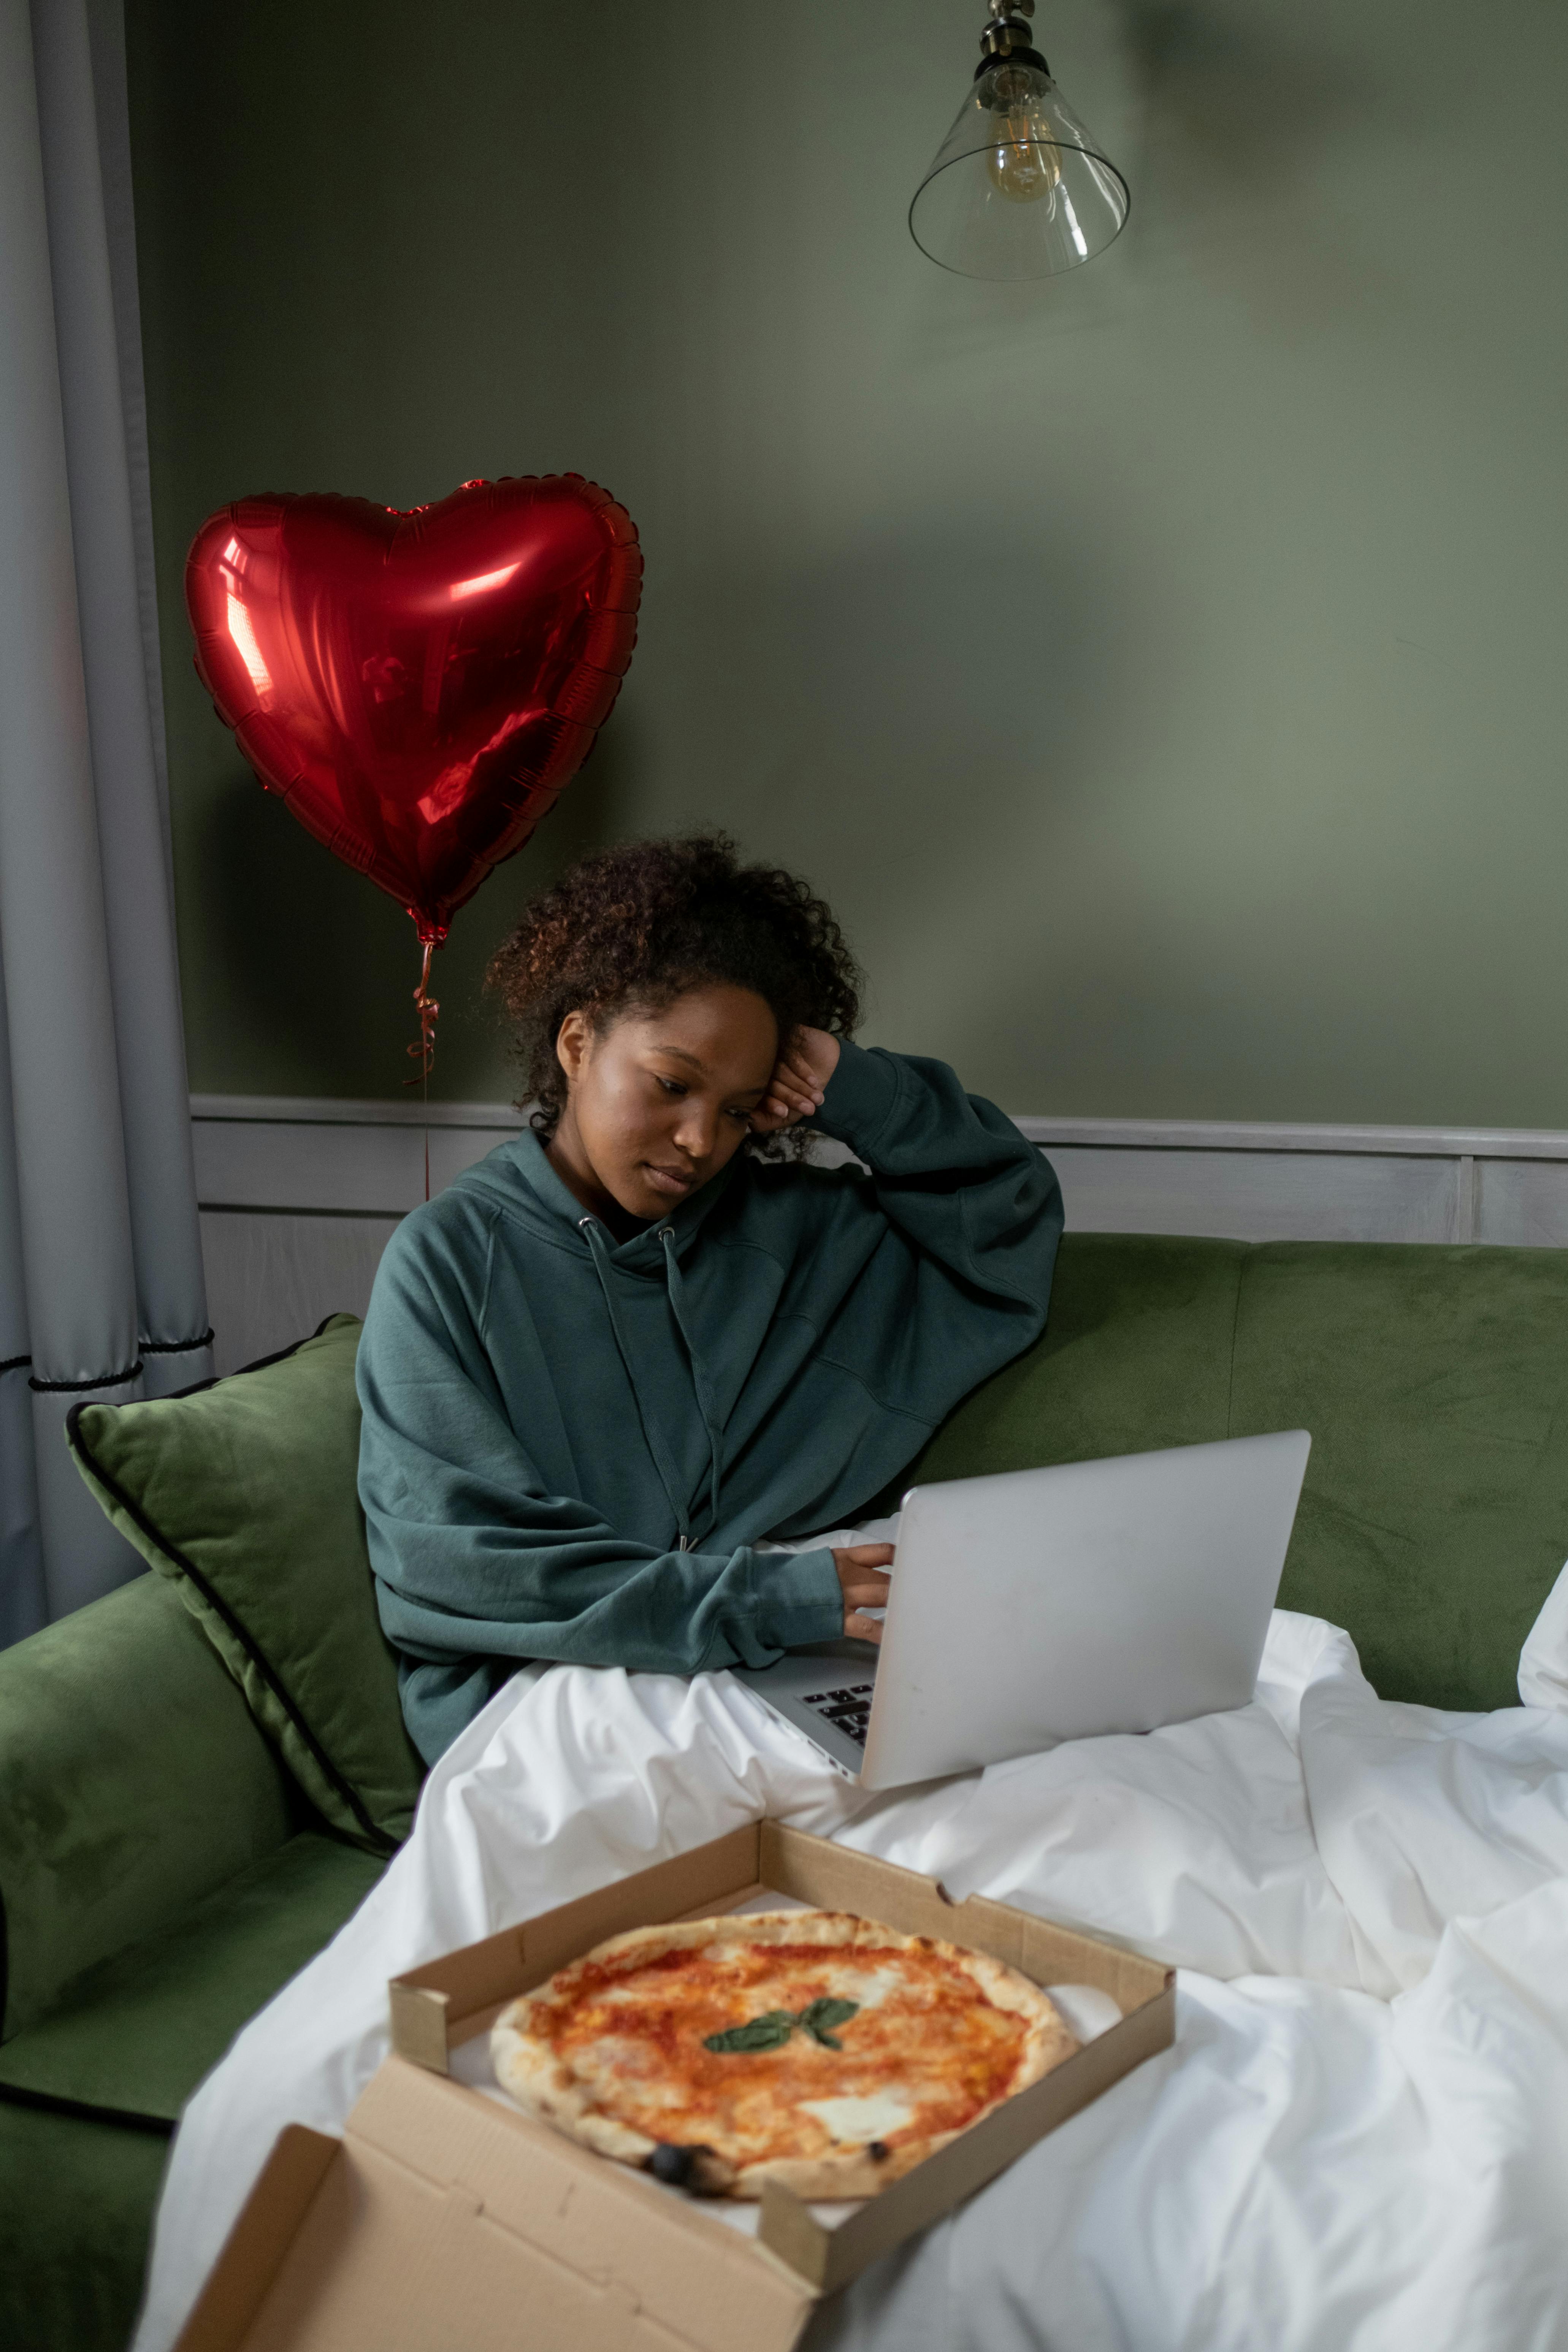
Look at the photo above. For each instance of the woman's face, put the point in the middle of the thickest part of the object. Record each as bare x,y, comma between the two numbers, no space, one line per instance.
657,1103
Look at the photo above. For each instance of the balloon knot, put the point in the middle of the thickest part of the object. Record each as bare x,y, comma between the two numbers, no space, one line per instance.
430,1012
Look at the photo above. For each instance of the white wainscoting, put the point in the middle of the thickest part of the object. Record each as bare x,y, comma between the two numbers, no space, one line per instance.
300,1195
273,1276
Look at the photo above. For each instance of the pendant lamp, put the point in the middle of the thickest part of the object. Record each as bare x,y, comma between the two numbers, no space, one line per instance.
1018,188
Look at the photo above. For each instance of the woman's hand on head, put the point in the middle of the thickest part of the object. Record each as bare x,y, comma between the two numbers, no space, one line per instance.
862,1574
805,1062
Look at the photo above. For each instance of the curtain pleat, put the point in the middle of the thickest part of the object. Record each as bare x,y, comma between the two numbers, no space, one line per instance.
23,1607
105,1223
174,1340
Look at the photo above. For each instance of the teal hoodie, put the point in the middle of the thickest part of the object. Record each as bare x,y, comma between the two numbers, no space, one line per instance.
570,1446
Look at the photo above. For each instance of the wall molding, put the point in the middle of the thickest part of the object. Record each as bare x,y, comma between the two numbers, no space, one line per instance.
1251,1181
1220,1135
300,1194
1126,1134
317,1110
306,1155
1300,1182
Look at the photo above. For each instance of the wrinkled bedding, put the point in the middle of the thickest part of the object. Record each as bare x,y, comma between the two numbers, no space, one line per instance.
1359,2140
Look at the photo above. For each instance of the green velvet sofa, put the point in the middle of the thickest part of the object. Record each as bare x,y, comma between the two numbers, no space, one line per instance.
163,1875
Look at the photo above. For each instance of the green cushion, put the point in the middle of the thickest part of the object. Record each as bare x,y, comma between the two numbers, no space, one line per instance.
140,2032
75,2213
244,1492
132,1783
1136,1355
1435,1381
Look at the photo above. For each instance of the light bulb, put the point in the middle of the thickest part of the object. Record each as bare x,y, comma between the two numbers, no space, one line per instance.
1023,160
1017,189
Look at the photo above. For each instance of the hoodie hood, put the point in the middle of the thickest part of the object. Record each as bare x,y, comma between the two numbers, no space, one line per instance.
519,1177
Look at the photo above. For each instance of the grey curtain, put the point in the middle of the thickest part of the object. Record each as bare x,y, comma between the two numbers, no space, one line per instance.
101,1291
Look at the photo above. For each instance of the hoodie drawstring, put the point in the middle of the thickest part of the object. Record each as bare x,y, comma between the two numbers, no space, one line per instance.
664,1462
705,1404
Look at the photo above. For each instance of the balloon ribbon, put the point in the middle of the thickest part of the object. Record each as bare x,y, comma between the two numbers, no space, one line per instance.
429,1012
424,1053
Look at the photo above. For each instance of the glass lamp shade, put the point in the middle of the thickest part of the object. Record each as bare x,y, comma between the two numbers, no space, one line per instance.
1017,188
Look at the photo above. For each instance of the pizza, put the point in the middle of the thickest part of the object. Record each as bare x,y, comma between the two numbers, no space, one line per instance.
807,2047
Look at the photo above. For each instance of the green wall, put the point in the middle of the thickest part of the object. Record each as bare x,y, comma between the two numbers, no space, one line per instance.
1164,671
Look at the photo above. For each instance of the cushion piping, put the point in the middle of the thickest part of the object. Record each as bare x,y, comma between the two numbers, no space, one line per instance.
215,1601
53,2103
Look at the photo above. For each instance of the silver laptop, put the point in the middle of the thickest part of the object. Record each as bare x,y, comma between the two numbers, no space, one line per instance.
1044,1605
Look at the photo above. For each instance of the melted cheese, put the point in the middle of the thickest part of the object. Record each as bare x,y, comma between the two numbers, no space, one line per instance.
854,2123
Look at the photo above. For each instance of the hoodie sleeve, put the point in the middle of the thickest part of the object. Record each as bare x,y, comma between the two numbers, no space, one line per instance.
477,1561
950,1170
933,1269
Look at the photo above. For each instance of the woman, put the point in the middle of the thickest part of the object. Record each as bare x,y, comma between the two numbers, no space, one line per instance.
609,1361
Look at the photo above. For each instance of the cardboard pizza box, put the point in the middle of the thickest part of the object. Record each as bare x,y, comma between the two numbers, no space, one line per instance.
445,2217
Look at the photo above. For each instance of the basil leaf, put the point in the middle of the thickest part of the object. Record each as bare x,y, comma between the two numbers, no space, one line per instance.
774,2028
768,2032
819,2017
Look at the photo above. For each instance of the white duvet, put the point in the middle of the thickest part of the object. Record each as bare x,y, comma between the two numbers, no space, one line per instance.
1359,2140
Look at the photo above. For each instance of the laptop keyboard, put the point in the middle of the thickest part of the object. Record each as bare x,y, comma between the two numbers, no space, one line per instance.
848,1710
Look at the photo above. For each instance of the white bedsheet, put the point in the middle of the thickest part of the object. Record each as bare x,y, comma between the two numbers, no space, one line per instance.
1360,2141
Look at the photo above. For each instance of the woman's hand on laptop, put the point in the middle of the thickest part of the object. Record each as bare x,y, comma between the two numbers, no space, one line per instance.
862,1573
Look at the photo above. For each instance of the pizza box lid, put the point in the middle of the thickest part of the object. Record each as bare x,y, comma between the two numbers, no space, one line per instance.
447,2217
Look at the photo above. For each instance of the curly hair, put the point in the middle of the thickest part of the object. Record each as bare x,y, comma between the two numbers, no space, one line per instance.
640,925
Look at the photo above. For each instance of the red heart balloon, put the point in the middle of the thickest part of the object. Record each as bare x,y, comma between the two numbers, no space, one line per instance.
418,686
